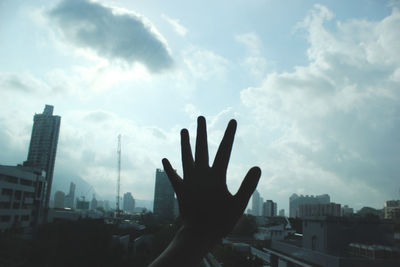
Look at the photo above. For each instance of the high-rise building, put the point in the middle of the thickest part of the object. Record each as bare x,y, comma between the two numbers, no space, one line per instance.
269,208
163,197
128,202
59,198
70,197
93,203
295,201
43,147
256,203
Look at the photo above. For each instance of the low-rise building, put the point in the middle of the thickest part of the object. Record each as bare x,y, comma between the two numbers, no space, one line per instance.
338,242
22,195
392,209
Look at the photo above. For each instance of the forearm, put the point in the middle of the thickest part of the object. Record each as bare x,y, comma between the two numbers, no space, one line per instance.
186,249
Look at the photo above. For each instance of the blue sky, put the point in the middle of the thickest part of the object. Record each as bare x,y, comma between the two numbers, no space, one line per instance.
314,87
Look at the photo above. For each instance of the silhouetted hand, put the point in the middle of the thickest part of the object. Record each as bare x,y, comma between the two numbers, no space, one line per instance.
205,203
208,210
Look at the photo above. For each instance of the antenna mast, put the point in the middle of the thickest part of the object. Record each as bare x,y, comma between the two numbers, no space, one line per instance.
119,174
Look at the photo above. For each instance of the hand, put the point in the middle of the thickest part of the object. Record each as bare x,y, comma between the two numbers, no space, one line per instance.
205,203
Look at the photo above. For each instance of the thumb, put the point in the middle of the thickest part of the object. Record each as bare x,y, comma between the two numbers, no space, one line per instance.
248,186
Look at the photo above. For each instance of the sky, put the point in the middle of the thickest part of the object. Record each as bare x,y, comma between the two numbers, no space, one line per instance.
313,85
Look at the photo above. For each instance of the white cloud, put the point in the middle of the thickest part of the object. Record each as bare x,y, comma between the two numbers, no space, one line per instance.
251,41
254,62
332,124
181,30
205,64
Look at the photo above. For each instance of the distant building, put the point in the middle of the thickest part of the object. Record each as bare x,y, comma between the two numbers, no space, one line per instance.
295,201
269,208
256,203
163,197
93,203
43,147
100,204
329,209
392,209
82,204
22,192
70,197
347,211
282,212
128,202
106,205
59,197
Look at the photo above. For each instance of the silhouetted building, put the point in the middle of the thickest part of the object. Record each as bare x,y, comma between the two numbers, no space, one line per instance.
269,208
392,209
59,198
21,196
128,202
163,196
295,201
43,147
70,197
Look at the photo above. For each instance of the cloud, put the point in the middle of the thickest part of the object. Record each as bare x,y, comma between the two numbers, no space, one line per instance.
112,33
251,41
24,83
181,30
254,62
205,64
332,125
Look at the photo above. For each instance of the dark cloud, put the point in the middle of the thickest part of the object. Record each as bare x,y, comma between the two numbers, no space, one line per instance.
113,35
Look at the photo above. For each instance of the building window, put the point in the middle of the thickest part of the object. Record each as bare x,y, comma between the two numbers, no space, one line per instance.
25,218
26,182
313,242
6,192
18,195
5,218
5,205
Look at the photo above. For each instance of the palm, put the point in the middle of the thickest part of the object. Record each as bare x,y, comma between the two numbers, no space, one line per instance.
204,200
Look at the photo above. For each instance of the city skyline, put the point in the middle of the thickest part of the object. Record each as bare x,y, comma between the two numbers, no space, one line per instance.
315,95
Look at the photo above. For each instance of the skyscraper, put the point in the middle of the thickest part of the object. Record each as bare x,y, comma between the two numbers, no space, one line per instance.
256,201
59,197
70,198
163,197
128,202
269,208
43,147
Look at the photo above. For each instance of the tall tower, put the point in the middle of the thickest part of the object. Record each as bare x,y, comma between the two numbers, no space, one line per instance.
43,147
163,197
256,201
